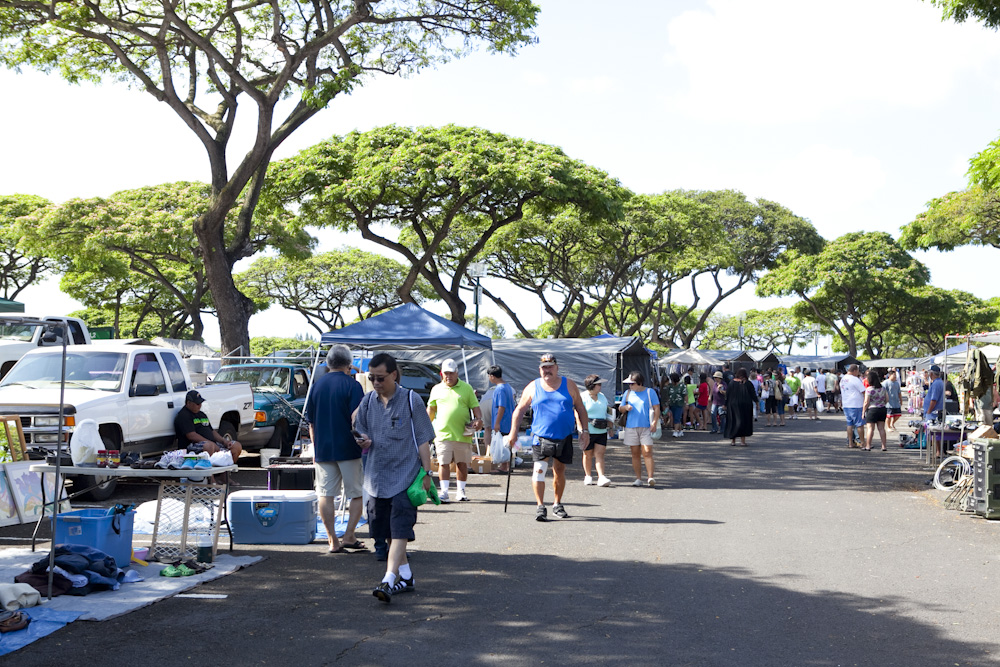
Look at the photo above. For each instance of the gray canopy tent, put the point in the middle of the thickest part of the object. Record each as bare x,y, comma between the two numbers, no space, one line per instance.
705,359
812,362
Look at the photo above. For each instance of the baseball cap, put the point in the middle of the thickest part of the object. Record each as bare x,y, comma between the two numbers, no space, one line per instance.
936,368
194,397
547,359
449,366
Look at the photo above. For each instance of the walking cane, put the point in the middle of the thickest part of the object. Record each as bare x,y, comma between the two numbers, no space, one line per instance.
510,468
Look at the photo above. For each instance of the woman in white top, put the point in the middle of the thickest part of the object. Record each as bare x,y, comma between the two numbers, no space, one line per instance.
598,421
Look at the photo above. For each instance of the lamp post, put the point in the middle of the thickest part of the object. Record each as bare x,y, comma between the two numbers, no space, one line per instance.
477,270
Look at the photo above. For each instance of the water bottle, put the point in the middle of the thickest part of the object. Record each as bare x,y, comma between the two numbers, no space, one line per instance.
204,549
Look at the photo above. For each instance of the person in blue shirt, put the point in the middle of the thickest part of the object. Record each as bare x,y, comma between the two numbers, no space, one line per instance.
333,399
502,408
934,400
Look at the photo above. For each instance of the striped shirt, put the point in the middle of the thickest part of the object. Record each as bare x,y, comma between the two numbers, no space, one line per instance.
393,459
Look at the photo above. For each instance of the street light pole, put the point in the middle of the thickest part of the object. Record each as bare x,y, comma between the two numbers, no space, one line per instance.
477,270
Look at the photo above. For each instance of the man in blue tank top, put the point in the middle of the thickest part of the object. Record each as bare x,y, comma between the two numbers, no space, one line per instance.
558,412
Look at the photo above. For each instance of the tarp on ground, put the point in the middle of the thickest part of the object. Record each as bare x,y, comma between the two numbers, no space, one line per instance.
406,326
611,358
813,362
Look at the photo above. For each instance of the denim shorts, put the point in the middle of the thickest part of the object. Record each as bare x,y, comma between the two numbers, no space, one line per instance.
854,416
392,517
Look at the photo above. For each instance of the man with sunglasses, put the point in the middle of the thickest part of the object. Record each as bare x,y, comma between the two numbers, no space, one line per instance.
557,412
394,428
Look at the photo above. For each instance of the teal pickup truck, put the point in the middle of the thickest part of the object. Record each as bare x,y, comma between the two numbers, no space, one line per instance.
279,396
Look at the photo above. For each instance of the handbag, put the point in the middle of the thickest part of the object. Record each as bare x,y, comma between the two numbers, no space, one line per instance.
623,416
415,491
657,430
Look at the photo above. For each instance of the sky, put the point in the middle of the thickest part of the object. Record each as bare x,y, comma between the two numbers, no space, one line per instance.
852,114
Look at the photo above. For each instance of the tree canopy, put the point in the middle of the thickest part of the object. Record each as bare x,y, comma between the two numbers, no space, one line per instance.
772,329
19,267
136,247
436,196
329,289
857,287
987,11
203,59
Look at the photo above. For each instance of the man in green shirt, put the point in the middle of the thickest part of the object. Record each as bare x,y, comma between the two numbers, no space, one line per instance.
448,407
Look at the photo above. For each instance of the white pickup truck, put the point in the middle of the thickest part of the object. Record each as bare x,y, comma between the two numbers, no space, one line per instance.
133,393
17,338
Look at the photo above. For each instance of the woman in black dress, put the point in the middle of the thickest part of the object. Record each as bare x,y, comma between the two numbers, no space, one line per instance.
739,408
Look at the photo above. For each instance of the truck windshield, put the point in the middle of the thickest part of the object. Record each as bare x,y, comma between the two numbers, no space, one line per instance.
19,332
100,370
262,378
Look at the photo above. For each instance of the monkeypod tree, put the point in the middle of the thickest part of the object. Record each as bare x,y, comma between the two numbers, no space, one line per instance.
141,242
434,195
19,267
854,287
330,289
206,59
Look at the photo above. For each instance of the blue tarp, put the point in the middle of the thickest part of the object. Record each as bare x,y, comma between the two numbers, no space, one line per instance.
406,326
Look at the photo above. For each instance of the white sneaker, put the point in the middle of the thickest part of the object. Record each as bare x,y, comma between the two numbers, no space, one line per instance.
461,496
603,481
588,480
443,497
651,482
680,434
637,482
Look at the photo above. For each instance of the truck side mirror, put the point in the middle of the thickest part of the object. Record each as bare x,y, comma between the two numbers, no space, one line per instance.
52,335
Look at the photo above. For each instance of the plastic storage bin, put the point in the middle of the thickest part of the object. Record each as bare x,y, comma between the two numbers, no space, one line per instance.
273,517
94,528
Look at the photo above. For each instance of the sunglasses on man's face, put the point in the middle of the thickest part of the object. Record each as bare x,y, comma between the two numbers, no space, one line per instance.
377,378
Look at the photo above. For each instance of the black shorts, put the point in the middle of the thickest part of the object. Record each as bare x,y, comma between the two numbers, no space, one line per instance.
597,439
563,451
392,517
771,406
875,415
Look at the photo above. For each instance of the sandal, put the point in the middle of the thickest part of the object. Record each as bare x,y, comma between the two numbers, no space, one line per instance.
357,545
11,621
331,552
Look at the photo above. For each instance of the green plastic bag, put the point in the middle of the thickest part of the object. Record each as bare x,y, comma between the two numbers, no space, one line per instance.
415,491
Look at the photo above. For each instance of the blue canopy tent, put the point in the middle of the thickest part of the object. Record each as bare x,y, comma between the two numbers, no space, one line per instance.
408,327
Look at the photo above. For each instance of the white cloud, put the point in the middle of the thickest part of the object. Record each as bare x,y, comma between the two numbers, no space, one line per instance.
786,60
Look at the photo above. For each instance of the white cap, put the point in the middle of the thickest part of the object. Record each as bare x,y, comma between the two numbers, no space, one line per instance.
449,366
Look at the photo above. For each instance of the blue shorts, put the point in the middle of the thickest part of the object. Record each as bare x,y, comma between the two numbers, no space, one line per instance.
678,412
392,517
854,417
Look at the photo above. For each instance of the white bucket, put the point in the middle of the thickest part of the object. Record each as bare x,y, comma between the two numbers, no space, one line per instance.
266,455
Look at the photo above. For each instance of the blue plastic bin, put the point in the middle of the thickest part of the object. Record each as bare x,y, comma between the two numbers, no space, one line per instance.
93,528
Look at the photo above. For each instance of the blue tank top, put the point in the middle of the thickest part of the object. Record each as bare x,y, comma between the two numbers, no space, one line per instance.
552,412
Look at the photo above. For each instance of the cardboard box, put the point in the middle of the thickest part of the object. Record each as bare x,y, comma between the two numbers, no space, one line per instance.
482,465
984,431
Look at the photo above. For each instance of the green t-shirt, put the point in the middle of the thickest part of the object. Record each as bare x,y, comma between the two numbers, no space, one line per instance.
793,383
691,389
453,406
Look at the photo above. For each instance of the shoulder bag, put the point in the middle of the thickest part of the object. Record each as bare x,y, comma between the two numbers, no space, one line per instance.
623,417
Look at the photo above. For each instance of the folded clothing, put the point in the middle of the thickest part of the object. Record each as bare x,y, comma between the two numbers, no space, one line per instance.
16,596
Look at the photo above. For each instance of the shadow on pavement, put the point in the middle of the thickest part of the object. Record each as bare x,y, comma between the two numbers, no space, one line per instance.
485,609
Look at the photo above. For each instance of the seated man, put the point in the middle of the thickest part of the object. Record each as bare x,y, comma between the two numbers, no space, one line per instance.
194,429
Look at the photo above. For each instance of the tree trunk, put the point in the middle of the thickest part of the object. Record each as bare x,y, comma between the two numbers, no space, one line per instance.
231,306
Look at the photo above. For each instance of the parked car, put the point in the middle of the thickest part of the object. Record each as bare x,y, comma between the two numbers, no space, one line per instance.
133,393
17,337
279,397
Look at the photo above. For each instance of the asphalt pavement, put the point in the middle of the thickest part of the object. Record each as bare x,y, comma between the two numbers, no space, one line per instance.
792,551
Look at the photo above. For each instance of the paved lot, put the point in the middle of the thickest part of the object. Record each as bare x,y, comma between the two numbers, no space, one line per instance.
793,551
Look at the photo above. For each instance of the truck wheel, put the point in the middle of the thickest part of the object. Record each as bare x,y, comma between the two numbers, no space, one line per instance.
281,439
225,428
107,484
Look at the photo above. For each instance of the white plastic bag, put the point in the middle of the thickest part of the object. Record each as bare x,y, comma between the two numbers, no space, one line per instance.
86,442
819,405
498,450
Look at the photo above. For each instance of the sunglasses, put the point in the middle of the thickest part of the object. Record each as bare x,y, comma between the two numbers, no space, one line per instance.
377,378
